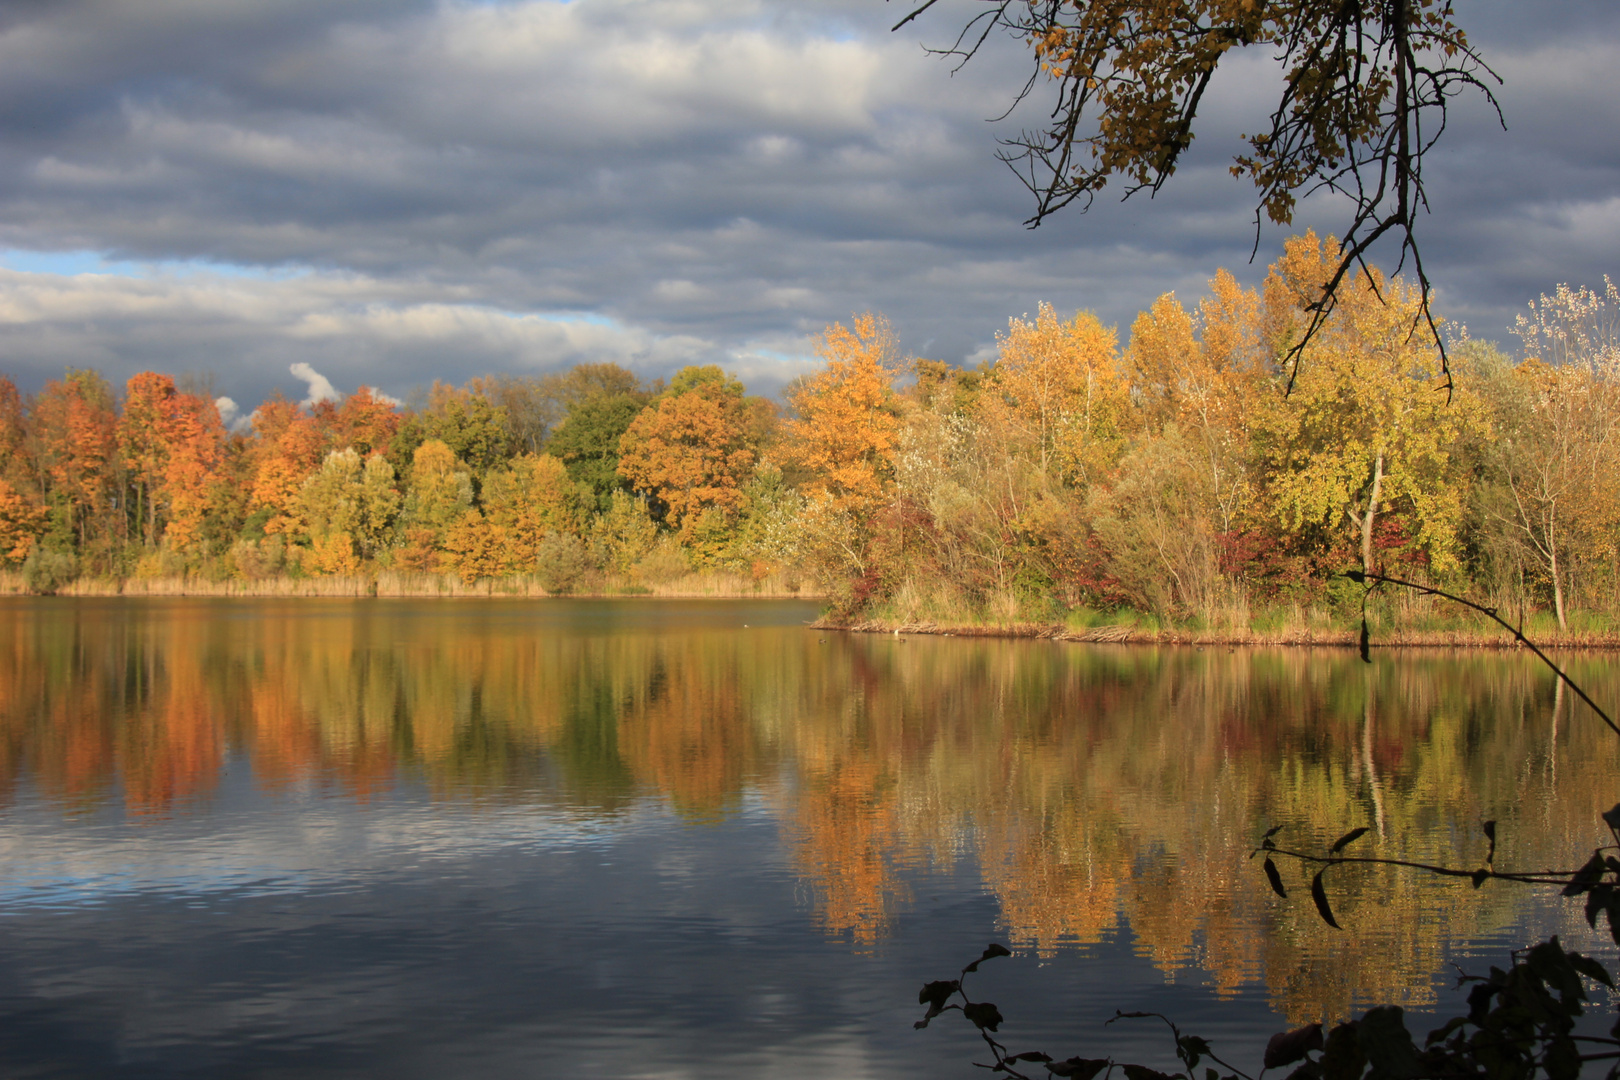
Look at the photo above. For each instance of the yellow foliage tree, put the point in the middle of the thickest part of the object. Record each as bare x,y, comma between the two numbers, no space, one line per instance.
1057,388
1205,375
527,501
477,548
848,417
438,495
1364,430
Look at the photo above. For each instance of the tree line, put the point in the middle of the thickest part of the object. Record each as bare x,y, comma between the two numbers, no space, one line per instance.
1207,472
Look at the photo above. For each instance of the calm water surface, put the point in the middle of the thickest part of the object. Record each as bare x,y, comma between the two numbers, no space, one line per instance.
688,839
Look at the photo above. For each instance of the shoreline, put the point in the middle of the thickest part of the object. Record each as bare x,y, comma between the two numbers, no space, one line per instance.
1461,637
713,586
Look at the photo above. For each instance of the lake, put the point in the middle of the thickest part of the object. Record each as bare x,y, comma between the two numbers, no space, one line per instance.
697,839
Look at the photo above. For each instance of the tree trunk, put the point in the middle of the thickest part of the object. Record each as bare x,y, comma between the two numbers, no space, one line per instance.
1558,586
1372,510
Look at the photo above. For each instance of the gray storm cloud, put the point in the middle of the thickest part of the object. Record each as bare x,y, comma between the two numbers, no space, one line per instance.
391,193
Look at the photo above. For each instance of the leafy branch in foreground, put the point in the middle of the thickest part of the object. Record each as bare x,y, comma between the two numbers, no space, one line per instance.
1365,96
1520,1023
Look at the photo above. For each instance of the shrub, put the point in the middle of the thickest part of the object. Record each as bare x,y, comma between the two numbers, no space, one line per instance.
45,572
561,562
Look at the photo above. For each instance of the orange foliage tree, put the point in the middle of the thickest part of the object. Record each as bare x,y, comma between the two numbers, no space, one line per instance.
691,451
291,445
364,422
172,444
22,515
848,416
73,423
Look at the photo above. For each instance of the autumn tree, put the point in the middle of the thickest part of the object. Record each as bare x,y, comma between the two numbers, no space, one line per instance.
1057,389
534,405
437,496
691,450
528,500
172,444
141,439
1557,450
1364,430
22,512
847,416
191,468
290,446
624,534
1204,373
365,423
466,420
74,426
349,507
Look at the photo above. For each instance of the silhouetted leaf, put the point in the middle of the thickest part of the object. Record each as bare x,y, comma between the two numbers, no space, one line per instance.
1289,1046
1031,1055
1489,828
984,1015
1387,1043
938,992
1356,576
1275,879
1611,816
1590,968
1586,876
1078,1068
1364,643
1319,894
1273,831
991,951
1342,1058
1142,1072
1353,835
1478,877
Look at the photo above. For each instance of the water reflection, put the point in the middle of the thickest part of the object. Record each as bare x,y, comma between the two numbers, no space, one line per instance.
1099,790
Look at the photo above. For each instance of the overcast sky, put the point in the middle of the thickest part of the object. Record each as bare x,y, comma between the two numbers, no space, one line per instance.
392,191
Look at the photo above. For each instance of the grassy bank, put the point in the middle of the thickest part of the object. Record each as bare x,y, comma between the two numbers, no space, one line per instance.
715,584
1400,622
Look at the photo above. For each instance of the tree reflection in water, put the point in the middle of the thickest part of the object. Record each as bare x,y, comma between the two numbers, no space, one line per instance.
1100,789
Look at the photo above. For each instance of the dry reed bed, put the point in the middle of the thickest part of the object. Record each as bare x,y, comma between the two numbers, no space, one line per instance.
393,584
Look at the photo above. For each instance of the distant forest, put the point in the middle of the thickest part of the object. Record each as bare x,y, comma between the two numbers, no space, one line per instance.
1197,476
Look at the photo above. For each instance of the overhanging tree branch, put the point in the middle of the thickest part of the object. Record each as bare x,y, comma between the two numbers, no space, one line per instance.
1366,95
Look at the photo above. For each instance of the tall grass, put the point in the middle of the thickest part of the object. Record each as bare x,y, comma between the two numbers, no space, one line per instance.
394,583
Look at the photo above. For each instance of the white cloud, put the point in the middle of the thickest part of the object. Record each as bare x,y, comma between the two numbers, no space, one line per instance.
230,414
320,387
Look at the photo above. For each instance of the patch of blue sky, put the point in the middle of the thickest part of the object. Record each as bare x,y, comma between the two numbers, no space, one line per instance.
74,263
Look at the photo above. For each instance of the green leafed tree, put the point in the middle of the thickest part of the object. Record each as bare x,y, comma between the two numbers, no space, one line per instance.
587,441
